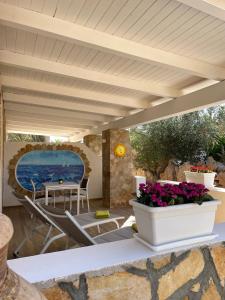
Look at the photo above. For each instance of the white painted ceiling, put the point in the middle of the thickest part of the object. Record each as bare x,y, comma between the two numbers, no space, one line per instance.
102,82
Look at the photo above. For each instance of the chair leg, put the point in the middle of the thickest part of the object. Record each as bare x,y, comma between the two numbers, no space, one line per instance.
54,238
88,205
117,224
47,235
17,251
67,243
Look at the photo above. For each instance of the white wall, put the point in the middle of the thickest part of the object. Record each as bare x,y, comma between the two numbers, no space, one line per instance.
95,183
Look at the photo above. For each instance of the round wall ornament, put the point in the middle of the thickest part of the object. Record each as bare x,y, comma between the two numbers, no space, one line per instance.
120,150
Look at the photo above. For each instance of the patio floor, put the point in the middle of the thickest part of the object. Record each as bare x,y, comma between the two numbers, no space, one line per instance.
20,218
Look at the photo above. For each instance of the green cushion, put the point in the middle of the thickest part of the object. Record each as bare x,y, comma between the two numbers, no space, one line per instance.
102,214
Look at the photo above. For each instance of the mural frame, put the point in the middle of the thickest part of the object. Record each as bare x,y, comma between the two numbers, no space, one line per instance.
19,191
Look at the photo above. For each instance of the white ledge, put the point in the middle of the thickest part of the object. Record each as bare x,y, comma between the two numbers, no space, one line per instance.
57,265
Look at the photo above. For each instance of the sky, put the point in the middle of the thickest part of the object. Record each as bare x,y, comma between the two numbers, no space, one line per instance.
57,157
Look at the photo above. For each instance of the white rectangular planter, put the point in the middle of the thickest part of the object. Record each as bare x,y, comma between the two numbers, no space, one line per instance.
204,178
160,225
139,180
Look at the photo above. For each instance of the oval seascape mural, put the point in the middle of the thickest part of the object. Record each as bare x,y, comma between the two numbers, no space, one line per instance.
48,166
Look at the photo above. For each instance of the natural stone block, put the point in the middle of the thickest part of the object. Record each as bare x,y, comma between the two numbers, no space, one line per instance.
119,286
94,142
188,269
163,261
140,265
221,178
196,287
180,172
211,293
218,254
55,293
170,171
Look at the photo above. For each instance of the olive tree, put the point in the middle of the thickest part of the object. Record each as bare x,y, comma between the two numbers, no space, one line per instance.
184,138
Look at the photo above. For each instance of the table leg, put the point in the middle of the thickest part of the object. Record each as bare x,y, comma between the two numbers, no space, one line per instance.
46,196
78,200
70,199
64,199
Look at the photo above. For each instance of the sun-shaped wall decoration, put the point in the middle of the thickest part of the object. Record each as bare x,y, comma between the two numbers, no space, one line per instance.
120,150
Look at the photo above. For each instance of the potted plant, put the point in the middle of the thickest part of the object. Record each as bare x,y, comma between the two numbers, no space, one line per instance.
200,174
168,213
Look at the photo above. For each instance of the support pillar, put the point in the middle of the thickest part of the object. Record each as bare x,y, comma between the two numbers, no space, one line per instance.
118,179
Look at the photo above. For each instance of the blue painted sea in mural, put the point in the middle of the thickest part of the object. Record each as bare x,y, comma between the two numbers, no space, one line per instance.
48,166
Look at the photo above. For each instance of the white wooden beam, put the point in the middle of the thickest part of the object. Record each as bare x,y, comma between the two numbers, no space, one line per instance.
54,112
55,124
214,8
73,33
204,98
42,126
72,122
46,132
37,131
38,64
64,91
56,103
32,132
38,128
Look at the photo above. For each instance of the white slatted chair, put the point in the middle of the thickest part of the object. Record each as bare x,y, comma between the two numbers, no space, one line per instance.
41,219
84,196
70,226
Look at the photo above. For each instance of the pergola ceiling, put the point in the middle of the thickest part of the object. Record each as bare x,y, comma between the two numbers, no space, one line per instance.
72,67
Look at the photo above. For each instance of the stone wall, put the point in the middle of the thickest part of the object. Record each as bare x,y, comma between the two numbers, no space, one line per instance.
193,274
94,142
174,172
118,179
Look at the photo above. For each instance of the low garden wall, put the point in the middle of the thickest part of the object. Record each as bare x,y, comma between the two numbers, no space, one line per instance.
192,274
176,173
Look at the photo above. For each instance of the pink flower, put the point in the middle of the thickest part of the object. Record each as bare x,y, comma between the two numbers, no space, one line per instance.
155,194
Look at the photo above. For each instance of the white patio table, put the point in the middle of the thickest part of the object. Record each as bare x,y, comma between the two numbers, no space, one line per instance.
55,186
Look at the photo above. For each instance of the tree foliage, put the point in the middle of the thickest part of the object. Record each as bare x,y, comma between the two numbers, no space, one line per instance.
19,137
190,137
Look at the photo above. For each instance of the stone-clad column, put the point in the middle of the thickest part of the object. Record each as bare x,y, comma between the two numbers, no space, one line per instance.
12,286
118,180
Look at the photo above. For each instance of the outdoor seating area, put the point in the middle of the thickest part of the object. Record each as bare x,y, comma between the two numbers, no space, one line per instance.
112,149
32,232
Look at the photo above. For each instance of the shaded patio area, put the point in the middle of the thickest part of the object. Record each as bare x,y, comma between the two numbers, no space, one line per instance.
21,220
89,72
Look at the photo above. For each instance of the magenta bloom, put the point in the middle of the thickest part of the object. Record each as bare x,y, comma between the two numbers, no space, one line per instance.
162,195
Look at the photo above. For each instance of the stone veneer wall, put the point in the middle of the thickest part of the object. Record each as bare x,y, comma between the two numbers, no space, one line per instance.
193,274
94,142
118,180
